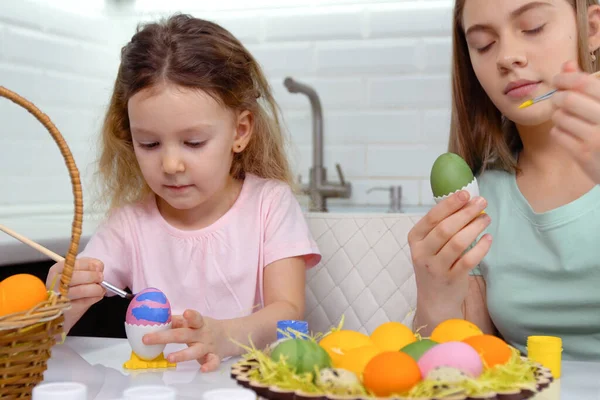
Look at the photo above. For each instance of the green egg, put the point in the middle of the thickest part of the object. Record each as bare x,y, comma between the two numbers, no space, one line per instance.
418,348
449,174
302,354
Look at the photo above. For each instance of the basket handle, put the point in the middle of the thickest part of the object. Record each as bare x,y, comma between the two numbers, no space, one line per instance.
67,273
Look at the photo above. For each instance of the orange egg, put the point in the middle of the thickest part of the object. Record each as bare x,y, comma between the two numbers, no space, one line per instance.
392,336
356,359
391,372
454,330
492,350
339,342
20,293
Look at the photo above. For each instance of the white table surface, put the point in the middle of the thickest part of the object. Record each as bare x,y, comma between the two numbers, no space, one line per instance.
98,362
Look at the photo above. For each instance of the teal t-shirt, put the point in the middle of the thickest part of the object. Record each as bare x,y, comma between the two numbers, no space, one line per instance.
543,270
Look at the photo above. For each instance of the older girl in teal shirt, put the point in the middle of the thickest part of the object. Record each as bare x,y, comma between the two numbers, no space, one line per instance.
535,266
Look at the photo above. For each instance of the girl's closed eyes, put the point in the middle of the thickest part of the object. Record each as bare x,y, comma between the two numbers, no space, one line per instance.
483,41
153,145
531,32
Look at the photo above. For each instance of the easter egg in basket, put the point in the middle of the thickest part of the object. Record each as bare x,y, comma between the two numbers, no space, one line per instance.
457,355
454,330
391,336
391,372
418,348
338,343
149,311
337,379
303,355
20,292
493,350
356,359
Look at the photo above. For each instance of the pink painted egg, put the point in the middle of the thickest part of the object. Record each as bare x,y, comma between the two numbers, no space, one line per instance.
149,307
456,355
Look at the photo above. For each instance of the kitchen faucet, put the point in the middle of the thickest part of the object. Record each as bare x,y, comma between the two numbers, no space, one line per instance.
395,197
318,188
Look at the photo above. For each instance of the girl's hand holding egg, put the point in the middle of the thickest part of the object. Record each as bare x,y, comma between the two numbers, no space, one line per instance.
205,338
577,117
439,242
84,289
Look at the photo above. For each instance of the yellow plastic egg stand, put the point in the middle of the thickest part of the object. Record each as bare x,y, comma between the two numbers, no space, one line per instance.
26,337
136,362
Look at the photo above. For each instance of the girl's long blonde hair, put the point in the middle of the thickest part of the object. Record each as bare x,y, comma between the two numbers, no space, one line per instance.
478,132
193,53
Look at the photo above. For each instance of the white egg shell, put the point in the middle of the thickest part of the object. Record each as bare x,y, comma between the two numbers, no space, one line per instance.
135,333
472,188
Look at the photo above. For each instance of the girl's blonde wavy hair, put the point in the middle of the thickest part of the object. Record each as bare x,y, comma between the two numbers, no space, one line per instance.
478,132
193,53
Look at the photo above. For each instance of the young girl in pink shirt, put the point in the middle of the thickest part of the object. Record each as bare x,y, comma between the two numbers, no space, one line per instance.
199,188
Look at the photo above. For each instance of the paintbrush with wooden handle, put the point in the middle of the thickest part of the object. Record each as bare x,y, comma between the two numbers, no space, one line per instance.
59,258
546,96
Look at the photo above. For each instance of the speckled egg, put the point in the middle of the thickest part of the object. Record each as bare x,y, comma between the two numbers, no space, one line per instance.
149,307
457,355
337,379
447,375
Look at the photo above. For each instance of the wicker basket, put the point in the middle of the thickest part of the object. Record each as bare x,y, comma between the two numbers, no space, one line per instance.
26,338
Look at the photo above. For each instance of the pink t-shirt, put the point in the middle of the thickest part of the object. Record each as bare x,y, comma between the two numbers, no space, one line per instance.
217,270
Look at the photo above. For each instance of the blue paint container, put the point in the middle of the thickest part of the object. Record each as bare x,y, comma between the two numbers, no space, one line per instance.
299,326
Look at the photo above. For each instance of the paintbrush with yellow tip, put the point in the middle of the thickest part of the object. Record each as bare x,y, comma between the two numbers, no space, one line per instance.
547,95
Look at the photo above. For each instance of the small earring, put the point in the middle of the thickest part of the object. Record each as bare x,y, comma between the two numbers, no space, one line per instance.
593,56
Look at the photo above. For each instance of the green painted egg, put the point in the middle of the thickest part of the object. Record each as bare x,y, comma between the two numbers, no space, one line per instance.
418,348
449,174
302,354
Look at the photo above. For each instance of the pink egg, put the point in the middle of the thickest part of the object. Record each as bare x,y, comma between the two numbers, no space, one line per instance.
457,355
149,307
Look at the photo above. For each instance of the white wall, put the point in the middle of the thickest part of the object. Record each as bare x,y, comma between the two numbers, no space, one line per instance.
380,67
62,63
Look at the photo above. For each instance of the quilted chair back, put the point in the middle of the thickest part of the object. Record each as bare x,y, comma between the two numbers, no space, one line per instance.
366,274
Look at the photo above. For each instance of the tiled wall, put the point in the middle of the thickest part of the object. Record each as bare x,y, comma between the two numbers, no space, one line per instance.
64,64
380,67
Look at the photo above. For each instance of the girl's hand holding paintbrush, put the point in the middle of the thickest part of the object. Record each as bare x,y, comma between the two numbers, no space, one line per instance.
85,289
576,117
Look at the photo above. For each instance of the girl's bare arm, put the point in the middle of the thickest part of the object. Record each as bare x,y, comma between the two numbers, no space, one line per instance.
474,310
